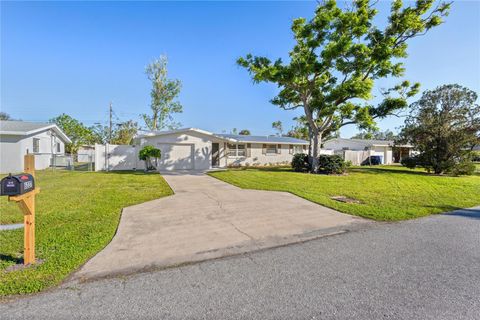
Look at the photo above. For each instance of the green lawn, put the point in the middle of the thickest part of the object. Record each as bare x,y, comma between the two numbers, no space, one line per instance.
77,215
386,193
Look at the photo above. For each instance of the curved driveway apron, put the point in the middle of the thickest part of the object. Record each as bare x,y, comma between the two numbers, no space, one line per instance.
207,218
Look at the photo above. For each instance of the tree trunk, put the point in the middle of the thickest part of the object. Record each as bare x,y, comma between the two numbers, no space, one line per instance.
316,147
310,144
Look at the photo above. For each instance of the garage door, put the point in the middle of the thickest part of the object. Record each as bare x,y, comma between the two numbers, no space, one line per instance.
176,156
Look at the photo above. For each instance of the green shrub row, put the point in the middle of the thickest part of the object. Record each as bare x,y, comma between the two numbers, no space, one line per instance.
328,164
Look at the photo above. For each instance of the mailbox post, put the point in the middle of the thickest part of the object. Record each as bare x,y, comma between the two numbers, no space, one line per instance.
26,202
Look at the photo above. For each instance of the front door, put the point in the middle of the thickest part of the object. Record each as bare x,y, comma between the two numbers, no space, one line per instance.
215,155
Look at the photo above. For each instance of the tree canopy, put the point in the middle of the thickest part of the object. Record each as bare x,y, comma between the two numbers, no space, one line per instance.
338,56
163,94
125,132
244,132
375,134
278,126
78,133
443,126
5,116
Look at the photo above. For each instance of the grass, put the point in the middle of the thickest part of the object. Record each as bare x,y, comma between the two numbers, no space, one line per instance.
388,193
77,216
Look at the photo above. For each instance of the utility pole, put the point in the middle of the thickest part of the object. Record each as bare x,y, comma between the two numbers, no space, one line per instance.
107,154
110,126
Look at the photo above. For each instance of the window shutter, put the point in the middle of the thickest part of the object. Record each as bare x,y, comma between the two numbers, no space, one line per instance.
225,146
264,149
249,147
279,148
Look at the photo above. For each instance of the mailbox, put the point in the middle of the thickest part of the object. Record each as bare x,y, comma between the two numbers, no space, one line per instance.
17,184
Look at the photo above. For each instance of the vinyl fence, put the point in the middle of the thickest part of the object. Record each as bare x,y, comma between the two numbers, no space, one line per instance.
356,157
111,157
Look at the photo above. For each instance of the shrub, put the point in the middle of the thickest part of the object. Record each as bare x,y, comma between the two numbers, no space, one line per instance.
476,156
147,153
460,166
409,162
300,162
464,166
332,164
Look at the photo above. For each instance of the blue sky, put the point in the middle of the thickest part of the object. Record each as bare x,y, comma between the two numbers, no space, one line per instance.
76,57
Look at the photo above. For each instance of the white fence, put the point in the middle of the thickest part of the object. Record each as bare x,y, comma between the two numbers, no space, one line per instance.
52,160
117,157
356,157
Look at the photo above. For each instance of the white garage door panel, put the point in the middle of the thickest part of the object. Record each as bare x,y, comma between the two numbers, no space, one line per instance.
176,156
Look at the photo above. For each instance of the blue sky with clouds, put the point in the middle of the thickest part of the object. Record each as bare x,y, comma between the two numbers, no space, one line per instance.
76,57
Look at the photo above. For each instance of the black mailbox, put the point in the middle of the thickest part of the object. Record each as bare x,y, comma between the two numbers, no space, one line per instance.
17,184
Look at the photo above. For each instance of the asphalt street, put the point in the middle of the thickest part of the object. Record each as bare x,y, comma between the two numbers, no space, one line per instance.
427,268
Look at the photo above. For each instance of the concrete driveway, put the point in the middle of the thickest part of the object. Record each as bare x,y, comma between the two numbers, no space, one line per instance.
207,218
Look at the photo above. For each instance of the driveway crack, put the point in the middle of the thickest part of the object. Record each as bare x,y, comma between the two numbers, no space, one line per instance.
242,232
220,205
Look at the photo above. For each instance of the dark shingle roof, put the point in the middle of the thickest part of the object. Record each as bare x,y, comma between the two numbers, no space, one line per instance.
262,139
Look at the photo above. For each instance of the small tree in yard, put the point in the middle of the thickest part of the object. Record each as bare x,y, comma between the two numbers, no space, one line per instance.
147,154
443,127
337,57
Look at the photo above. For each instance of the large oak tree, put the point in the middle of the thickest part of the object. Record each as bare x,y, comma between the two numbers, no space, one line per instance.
337,57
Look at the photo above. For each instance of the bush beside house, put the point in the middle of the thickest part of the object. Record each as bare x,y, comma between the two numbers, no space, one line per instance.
328,164
147,154
300,162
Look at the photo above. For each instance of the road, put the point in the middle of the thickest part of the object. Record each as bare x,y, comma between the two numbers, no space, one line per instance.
422,269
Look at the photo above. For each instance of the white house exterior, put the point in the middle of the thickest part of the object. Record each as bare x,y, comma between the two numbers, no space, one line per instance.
196,149
17,138
357,150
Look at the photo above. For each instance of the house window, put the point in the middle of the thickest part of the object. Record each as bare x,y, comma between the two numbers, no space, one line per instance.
232,150
59,149
237,150
241,152
271,149
36,145
297,149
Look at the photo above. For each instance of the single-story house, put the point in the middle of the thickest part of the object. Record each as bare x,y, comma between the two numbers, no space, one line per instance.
17,138
196,149
357,150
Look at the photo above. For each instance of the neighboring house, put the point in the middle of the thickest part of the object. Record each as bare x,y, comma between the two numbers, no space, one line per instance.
195,149
17,138
357,150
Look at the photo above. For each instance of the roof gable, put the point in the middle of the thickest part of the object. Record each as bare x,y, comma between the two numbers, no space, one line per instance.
176,131
22,128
